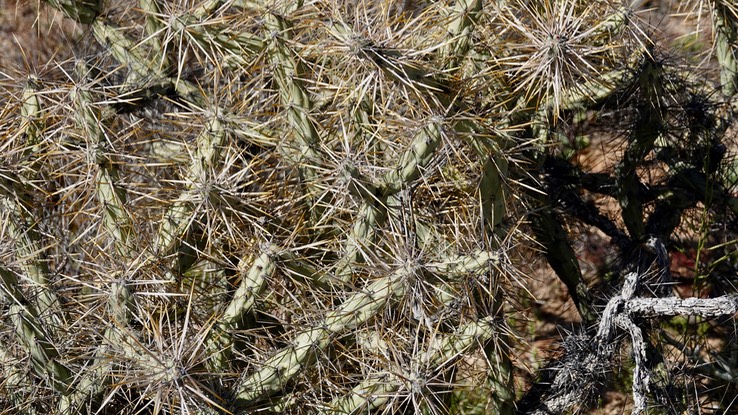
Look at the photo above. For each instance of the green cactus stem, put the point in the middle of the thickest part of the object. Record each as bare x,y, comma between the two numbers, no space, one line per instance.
32,116
726,34
381,388
16,385
276,371
288,73
83,11
46,360
110,195
373,212
563,260
29,252
465,15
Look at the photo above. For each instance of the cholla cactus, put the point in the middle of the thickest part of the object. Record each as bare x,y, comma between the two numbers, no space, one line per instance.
236,206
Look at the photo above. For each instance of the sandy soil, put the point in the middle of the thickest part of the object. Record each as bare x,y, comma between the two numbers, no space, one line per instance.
30,36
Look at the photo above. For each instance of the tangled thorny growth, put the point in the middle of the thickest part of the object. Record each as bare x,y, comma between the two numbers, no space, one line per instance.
319,207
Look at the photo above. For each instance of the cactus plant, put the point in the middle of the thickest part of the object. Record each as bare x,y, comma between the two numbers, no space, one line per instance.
318,207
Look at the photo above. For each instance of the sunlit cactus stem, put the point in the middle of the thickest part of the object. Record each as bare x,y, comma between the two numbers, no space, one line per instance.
28,242
726,31
357,309
118,224
46,360
16,382
32,116
279,369
375,392
374,210
465,14
254,281
110,195
306,136
175,230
